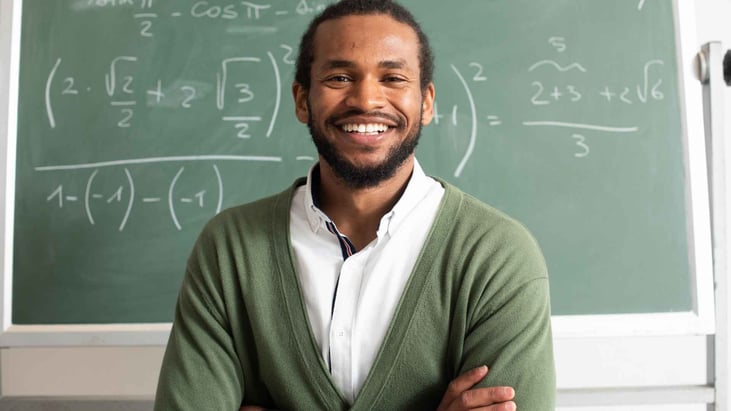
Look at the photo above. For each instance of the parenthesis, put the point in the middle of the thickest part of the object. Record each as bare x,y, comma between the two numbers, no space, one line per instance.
87,194
170,198
473,133
131,199
220,189
278,98
49,109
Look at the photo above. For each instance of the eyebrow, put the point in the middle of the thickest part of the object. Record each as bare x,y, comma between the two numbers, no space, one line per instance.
387,64
393,64
335,64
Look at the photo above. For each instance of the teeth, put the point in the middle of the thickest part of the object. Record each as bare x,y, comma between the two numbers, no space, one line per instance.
365,128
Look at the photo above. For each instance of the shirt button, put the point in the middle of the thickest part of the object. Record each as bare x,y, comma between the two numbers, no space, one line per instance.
341,334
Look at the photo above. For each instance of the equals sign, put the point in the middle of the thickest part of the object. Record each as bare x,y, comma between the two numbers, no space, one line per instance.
494,120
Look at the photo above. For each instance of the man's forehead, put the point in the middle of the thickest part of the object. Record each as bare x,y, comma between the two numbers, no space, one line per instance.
346,33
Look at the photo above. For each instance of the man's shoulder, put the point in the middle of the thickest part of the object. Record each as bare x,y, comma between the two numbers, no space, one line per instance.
469,212
485,230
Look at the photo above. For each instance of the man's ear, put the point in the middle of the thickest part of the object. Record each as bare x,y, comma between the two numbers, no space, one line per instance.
427,105
300,102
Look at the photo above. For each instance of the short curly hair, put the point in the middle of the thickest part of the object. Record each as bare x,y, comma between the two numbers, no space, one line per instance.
345,8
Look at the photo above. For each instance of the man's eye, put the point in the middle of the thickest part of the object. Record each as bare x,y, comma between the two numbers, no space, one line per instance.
394,79
339,78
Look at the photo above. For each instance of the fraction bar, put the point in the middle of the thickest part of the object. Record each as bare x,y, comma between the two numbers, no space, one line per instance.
581,126
159,160
124,103
242,118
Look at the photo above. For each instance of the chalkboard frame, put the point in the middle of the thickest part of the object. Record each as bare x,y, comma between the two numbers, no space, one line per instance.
700,320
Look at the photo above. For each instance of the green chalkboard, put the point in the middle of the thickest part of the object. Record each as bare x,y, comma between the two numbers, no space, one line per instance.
138,120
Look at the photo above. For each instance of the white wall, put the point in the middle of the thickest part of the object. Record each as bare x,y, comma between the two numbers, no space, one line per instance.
594,374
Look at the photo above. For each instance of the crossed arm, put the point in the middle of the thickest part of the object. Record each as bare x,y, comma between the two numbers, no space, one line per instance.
462,395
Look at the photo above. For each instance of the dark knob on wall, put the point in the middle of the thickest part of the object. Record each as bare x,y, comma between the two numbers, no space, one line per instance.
727,67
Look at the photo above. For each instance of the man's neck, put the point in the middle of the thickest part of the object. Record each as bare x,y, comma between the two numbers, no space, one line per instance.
358,212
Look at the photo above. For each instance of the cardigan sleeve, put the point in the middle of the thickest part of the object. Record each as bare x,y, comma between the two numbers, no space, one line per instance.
510,329
200,368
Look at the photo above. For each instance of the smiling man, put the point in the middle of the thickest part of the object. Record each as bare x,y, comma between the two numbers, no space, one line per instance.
366,285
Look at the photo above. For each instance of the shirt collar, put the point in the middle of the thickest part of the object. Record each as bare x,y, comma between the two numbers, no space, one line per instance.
416,189
315,216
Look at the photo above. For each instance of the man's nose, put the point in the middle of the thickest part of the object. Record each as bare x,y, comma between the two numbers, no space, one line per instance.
367,95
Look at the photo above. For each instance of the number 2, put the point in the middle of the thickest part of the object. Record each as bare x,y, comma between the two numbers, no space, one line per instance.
243,129
127,83
145,28
535,99
127,116
287,59
478,76
191,95
69,81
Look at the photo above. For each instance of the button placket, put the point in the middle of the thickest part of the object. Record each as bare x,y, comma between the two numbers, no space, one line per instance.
346,300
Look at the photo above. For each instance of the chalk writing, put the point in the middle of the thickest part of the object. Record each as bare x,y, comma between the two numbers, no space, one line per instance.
647,89
245,91
49,82
494,120
557,42
581,143
126,196
478,72
109,3
609,129
551,63
473,131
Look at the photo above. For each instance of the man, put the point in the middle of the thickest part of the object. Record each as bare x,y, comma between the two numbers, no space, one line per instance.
367,285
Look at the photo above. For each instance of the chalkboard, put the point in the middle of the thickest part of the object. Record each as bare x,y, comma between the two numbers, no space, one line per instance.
138,120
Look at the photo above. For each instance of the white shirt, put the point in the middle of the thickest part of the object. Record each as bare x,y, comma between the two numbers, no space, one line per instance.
350,301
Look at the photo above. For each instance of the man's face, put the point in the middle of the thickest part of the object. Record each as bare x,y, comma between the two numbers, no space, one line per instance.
365,106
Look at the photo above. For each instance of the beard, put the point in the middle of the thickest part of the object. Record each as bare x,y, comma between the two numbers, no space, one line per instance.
359,177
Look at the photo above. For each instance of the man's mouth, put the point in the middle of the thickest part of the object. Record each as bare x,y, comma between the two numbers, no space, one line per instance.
364,128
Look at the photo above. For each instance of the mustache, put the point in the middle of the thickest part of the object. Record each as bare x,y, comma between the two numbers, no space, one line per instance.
376,114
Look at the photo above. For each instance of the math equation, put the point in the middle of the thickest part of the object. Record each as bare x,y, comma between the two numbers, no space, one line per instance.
196,85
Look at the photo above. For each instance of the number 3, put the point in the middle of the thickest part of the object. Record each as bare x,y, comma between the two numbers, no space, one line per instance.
580,141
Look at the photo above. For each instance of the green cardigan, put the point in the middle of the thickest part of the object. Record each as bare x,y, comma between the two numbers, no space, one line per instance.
478,294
